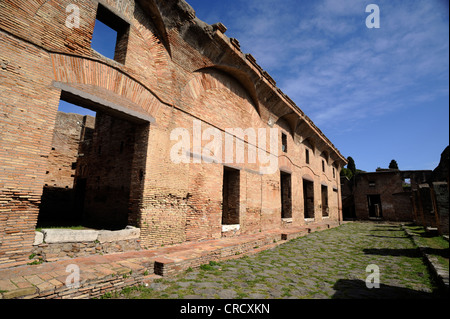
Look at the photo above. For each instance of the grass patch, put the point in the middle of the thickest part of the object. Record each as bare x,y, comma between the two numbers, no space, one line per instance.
211,266
434,245
79,227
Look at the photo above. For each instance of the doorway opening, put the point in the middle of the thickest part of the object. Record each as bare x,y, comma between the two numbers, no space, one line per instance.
230,196
308,198
325,208
374,203
94,174
286,195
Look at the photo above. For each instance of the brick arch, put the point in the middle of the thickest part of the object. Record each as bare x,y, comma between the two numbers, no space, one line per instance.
239,76
32,6
217,97
104,81
291,119
152,11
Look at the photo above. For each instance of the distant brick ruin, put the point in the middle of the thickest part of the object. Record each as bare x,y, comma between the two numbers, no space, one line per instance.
401,196
169,70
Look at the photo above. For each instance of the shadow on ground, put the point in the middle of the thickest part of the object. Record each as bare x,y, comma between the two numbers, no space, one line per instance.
386,228
406,252
357,289
414,252
379,236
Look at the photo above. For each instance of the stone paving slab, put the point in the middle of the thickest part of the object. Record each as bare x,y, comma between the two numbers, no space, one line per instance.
322,265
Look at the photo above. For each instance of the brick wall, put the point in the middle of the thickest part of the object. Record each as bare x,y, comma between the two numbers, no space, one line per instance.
59,204
177,69
26,123
108,173
441,199
395,203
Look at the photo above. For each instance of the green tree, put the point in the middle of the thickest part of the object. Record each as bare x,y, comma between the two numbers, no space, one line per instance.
346,172
351,165
393,164
351,170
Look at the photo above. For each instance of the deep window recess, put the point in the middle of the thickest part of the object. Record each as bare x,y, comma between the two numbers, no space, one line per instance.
307,156
284,142
110,37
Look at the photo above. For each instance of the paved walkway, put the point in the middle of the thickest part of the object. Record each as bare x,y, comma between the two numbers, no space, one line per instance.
322,265
100,274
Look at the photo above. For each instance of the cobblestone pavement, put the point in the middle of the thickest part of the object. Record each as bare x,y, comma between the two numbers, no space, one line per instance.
322,265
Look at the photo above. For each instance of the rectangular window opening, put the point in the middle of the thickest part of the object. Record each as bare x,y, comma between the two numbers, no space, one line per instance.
284,142
406,183
307,156
86,189
110,37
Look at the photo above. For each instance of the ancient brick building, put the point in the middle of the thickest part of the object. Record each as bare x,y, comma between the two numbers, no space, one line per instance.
382,195
170,71
419,196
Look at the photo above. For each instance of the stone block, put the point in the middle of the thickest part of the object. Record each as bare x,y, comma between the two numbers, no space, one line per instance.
38,238
125,234
52,236
227,228
19,293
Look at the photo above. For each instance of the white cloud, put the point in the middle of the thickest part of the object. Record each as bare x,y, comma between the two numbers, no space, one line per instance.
322,55
353,81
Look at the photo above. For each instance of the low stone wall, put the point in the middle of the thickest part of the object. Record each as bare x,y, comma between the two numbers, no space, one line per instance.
55,244
438,271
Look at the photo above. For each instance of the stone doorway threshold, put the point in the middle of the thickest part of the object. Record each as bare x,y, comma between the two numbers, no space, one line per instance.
93,276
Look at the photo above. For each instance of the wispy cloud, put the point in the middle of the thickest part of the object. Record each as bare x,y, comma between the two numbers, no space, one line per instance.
363,73
346,77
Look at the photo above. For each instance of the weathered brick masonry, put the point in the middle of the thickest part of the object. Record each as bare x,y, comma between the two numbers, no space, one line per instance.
170,69
419,196
386,194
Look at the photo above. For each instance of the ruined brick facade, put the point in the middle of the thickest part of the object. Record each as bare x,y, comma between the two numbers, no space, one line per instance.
421,197
431,199
170,69
386,194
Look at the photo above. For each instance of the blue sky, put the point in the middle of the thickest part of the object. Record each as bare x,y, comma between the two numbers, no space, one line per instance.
378,94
